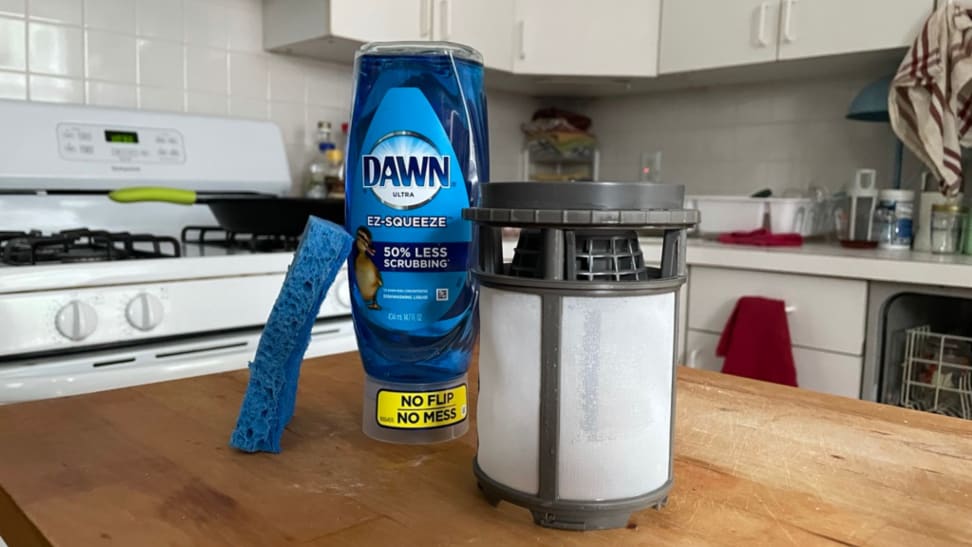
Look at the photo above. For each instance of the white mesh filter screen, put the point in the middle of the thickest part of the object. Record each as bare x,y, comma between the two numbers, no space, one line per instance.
508,411
615,396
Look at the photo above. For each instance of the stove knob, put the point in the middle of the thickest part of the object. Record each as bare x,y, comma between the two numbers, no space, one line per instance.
343,294
76,321
144,312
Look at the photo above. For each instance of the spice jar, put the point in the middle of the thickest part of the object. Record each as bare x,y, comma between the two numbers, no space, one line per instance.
946,227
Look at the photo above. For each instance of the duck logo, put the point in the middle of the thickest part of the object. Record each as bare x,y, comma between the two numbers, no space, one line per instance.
405,170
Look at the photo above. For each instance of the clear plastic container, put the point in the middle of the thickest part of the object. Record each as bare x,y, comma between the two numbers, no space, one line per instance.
893,219
946,227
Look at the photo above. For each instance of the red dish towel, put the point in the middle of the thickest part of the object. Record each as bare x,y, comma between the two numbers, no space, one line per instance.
762,238
756,342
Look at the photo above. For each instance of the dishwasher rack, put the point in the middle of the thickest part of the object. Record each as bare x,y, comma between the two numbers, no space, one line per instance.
937,373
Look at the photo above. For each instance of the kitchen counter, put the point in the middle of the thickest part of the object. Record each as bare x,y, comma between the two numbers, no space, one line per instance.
755,463
822,259
831,260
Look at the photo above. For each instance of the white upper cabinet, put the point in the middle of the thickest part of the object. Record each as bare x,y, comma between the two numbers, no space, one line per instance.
584,38
810,28
380,20
335,29
699,34
486,25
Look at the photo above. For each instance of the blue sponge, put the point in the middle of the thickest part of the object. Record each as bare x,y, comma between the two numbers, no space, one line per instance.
269,400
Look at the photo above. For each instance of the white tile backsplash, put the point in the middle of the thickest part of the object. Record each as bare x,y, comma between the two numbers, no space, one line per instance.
111,94
56,90
249,75
13,85
67,12
55,49
245,29
165,99
110,56
290,118
159,19
206,70
242,107
13,44
205,23
116,15
206,103
735,139
16,8
161,63
287,80
200,56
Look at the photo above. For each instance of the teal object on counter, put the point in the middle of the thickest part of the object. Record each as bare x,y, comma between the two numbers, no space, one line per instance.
871,105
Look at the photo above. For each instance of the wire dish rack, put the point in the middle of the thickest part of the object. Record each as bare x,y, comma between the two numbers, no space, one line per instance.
937,373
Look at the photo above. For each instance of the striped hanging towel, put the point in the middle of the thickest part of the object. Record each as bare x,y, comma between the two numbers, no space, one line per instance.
930,103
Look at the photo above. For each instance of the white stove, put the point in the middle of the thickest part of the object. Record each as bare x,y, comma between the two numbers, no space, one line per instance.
72,321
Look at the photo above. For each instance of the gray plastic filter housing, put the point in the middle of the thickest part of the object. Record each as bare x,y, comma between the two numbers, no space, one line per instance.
577,348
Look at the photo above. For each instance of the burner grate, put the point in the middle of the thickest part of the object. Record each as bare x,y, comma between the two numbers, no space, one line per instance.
257,243
82,245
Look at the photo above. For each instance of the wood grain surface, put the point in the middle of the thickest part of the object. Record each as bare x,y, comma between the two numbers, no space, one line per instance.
756,464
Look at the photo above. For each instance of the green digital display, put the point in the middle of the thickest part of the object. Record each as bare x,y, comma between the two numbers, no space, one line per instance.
125,137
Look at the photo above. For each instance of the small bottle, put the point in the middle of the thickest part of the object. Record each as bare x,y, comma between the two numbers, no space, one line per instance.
319,167
333,173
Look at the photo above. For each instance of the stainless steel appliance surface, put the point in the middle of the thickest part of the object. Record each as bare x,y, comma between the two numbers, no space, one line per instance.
99,295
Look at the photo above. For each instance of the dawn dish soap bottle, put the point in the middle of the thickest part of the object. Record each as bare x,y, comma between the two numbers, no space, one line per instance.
417,151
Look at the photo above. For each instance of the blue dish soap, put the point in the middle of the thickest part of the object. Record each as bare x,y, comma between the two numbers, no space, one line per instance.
417,150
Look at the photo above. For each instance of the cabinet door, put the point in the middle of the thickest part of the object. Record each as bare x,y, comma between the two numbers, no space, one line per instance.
824,312
584,38
809,28
381,20
486,25
698,34
823,371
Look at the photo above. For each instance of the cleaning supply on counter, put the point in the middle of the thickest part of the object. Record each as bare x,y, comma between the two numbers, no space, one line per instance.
893,219
761,238
417,154
577,348
322,167
756,342
270,395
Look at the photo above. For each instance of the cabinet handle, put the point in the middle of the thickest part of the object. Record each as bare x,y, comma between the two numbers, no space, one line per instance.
788,35
425,18
445,18
520,33
761,25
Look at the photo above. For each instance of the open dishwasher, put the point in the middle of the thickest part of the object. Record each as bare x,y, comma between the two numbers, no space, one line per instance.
919,348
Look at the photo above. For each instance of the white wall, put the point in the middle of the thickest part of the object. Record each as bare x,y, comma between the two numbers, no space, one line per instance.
200,56
740,138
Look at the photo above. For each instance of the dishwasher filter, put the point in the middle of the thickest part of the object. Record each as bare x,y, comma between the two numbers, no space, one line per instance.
577,348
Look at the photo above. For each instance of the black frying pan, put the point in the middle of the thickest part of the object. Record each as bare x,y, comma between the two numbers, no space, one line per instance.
263,214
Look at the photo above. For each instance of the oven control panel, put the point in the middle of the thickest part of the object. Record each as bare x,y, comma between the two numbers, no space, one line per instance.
117,144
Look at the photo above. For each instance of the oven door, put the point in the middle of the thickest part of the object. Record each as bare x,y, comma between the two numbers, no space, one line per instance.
49,377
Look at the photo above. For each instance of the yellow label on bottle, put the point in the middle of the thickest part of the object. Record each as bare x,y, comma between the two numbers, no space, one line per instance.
421,409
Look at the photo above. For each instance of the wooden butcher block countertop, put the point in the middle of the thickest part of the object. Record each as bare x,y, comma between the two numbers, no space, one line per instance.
755,464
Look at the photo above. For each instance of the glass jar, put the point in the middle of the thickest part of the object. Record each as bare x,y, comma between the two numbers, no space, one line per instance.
946,227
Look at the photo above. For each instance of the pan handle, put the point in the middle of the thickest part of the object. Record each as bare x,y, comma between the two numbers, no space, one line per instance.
153,193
